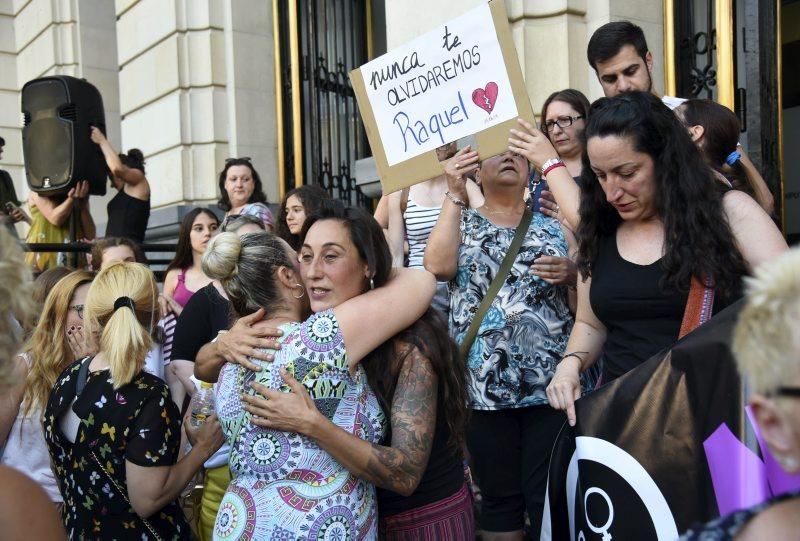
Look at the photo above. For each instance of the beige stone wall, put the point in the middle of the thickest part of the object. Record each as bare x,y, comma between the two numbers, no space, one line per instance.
550,36
196,87
191,82
54,37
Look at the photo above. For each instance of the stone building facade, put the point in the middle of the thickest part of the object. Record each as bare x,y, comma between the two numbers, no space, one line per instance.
192,82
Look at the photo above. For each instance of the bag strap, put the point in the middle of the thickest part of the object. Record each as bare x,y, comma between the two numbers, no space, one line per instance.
699,306
497,283
124,495
83,376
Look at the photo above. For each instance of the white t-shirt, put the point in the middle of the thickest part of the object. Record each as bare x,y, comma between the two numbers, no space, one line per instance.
671,101
154,362
26,450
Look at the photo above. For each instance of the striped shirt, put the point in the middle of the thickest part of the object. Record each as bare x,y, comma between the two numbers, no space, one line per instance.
419,222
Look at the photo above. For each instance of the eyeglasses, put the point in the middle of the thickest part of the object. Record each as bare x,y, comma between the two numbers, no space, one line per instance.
242,159
562,122
78,309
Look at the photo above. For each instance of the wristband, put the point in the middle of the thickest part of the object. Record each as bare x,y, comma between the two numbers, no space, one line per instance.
576,354
455,200
551,164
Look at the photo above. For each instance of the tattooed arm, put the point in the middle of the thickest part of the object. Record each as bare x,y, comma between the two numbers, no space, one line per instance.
397,468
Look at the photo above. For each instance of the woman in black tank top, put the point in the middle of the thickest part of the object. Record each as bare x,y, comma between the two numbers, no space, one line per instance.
129,210
650,216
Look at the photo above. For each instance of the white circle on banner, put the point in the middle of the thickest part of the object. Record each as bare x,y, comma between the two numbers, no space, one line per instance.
621,462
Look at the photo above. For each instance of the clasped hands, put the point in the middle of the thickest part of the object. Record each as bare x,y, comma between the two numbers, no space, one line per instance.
250,338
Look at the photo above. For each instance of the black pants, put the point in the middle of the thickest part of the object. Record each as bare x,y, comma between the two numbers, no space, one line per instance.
510,452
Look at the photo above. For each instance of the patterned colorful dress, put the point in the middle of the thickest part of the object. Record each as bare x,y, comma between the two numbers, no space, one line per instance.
525,330
139,423
284,486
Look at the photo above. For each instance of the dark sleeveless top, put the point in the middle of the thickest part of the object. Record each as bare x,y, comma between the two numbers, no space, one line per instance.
127,217
641,317
443,476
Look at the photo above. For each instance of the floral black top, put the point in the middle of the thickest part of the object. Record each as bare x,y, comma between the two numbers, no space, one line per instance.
727,527
139,423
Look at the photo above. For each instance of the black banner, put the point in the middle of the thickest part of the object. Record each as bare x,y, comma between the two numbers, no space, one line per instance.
664,447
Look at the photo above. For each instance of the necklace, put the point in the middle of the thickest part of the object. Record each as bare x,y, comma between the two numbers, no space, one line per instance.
493,212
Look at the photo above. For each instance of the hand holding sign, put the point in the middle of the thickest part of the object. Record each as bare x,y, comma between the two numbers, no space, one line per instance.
464,162
458,80
531,143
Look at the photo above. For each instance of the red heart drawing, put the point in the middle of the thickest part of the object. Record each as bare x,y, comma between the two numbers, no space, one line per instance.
485,98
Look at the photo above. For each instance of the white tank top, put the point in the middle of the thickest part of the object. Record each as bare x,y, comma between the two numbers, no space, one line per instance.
26,450
419,224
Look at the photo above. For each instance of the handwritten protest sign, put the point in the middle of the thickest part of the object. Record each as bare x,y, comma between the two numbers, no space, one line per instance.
459,79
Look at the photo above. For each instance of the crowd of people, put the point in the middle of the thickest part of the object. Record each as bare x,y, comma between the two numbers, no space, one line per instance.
382,377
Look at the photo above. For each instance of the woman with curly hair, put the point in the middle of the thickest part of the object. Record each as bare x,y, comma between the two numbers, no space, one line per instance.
652,219
56,342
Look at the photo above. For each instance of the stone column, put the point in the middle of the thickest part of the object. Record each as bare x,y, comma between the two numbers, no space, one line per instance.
10,121
197,87
550,36
249,50
54,37
172,94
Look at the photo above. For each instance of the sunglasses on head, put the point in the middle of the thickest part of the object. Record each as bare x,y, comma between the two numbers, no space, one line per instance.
242,159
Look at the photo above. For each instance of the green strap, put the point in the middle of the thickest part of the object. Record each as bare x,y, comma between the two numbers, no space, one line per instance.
497,283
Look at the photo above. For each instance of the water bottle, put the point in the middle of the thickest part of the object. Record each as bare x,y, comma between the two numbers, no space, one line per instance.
202,404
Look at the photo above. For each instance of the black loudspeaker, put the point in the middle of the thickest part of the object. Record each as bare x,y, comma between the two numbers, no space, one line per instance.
59,111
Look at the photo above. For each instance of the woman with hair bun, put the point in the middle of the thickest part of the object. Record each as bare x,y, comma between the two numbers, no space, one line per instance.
284,484
112,431
129,210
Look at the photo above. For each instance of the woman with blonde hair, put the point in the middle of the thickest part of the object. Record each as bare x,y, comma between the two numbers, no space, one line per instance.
25,511
112,431
56,342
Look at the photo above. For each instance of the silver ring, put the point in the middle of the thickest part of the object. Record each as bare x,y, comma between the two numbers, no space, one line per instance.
458,166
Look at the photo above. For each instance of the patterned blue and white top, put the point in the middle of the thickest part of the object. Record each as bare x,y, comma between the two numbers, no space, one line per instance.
526,329
284,486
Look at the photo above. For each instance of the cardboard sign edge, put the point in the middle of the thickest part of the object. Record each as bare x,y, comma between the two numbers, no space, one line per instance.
490,142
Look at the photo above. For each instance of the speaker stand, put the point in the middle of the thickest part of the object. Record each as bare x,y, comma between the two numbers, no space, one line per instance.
73,234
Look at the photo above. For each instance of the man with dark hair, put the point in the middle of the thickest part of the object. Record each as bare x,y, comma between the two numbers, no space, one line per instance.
10,213
619,54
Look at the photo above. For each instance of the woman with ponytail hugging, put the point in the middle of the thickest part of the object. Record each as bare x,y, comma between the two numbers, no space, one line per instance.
129,210
112,431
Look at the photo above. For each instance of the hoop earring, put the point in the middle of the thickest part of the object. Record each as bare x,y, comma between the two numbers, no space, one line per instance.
302,291
371,283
